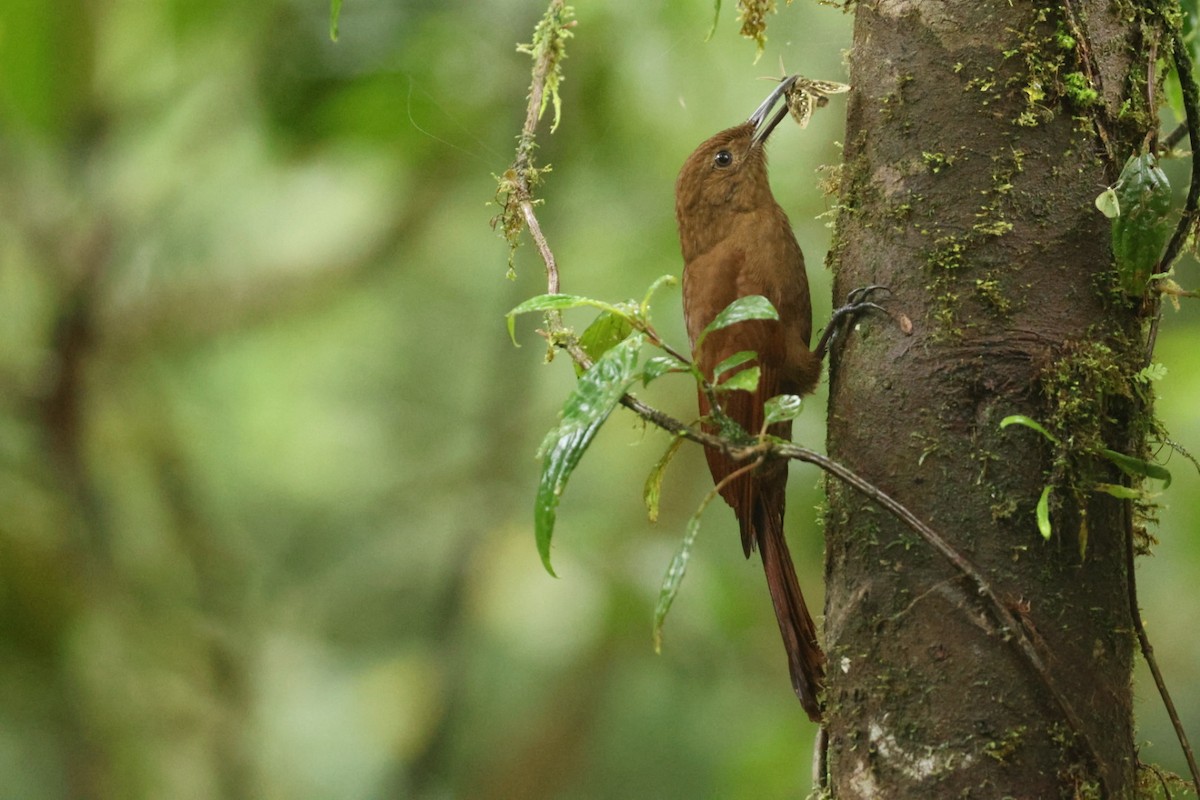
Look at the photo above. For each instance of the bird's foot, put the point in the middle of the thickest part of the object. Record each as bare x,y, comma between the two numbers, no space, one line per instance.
857,302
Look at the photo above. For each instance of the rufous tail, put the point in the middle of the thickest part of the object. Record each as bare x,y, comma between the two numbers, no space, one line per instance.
806,661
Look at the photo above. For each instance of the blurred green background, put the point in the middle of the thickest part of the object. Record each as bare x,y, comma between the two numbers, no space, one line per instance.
267,454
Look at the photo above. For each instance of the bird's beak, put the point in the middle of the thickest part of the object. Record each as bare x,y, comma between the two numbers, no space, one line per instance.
764,121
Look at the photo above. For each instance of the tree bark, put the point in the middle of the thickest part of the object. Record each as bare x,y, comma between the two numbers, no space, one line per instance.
978,136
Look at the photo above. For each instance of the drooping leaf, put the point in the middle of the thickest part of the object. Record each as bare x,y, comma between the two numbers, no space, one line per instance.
605,332
782,408
652,492
1143,225
1043,513
753,306
676,570
1028,422
595,395
658,366
1137,468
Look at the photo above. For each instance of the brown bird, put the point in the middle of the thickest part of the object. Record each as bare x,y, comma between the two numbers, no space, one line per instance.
737,241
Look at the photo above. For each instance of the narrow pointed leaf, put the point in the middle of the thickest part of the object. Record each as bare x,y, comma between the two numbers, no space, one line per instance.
652,492
1043,513
676,570
782,408
1028,422
1138,468
595,395
1119,492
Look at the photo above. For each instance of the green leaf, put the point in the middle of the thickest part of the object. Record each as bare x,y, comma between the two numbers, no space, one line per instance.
782,408
676,570
607,330
1028,422
658,366
1138,468
556,302
335,11
737,359
652,492
745,381
753,306
1117,491
595,395
1141,230
1043,513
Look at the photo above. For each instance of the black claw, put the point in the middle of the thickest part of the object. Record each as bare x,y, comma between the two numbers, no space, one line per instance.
856,303
863,292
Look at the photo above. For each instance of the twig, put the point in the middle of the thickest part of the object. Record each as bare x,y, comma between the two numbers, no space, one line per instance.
1148,652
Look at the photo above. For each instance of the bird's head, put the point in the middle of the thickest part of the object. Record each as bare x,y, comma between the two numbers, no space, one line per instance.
727,174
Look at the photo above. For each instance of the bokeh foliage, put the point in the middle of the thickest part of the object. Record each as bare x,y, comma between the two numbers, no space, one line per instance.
267,454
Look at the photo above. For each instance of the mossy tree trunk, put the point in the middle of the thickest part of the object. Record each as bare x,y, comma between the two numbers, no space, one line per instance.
979,135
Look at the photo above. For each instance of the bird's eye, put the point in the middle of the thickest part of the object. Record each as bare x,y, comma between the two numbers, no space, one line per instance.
723,158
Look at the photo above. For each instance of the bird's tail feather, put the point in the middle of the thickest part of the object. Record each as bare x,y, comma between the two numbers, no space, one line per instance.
806,661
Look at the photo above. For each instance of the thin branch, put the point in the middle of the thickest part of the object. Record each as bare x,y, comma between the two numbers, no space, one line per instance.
1135,611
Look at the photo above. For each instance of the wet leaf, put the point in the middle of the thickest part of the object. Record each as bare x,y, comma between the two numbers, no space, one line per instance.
782,408
595,395
658,366
753,306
